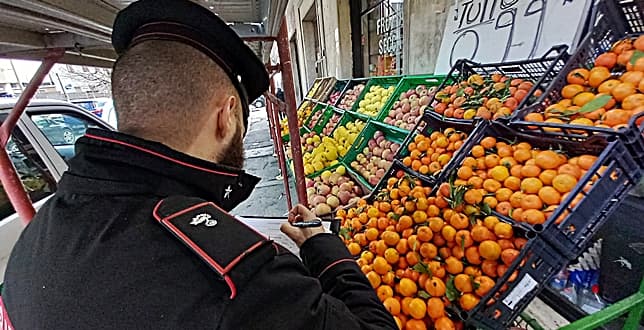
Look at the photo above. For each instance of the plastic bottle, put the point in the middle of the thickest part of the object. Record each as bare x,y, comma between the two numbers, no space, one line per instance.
590,301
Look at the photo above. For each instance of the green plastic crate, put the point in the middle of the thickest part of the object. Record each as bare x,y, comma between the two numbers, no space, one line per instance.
391,133
319,107
376,81
328,113
406,84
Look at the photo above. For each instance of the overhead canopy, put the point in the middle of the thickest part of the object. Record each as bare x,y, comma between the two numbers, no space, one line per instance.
83,27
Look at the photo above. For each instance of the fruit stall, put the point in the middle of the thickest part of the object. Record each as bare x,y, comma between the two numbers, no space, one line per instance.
462,196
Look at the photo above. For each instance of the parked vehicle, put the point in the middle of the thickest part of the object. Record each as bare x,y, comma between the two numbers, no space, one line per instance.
39,148
95,106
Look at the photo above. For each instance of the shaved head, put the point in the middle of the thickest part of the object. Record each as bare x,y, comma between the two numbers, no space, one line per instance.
172,93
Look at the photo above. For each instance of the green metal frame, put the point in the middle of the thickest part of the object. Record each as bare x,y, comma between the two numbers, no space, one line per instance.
633,306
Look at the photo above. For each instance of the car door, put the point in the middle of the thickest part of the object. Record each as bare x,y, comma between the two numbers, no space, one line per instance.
70,120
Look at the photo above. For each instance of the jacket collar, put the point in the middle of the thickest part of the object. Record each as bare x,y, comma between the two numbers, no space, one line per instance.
111,163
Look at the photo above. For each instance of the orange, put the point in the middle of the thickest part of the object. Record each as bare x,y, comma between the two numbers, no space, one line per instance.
448,233
372,234
459,221
586,161
623,90
435,287
547,159
598,75
607,60
490,221
384,292
428,250
484,283
464,238
436,224
550,195
564,183
381,266
499,173
504,208
453,265
578,76
435,308
531,202
478,151
513,183
392,305
515,199
573,170
417,308
491,185
408,287
444,323
582,98
569,91
368,256
531,185
463,283
533,217
354,248
633,101
473,196
390,238
530,171
547,176
391,255
616,117
503,194
607,86
401,247
492,160
374,279
490,250
489,267
508,256
534,117
468,301
472,255
503,230
633,77
414,324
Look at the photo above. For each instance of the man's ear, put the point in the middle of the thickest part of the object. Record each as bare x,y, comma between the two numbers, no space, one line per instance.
226,117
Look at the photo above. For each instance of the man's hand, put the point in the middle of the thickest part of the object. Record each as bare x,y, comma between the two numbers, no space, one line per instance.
299,235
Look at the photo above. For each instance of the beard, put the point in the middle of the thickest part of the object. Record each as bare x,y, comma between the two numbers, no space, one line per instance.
233,155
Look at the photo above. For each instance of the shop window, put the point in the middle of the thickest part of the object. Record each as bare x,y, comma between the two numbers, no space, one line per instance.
36,178
382,38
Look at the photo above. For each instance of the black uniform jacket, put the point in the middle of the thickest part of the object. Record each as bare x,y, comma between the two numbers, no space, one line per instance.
95,258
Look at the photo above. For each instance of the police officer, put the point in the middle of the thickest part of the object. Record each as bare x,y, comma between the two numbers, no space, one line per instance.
138,235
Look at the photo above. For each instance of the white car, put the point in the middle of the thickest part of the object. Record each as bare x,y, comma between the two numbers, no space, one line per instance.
39,156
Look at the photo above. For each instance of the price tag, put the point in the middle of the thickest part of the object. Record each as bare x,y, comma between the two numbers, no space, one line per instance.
526,285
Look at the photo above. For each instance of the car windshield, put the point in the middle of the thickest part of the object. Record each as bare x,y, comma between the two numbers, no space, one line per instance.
87,105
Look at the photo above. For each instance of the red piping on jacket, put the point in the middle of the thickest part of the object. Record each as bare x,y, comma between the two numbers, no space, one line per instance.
158,155
333,264
5,323
223,271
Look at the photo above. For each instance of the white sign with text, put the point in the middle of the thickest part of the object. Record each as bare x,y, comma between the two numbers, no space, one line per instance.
491,31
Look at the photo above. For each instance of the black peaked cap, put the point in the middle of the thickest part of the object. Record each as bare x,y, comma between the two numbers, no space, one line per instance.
189,23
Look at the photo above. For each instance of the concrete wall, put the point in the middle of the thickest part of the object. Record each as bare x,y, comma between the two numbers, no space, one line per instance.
424,22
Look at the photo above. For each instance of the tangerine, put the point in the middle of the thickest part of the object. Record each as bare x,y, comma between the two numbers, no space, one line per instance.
463,283
531,202
384,292
489,250
444,323
468,301
453,265
407,287
503,230
435,308
547,159
435,287
417,308
549,195
564,183
531,185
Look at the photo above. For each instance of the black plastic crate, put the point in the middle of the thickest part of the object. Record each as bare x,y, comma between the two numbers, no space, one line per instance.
613,20
429,124
536,264
616,172
540,71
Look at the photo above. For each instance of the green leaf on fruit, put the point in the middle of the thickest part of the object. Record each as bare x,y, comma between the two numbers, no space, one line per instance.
636,56
451,292
424,295
597,103
460,92
413,248
463,243
422,268
344,232
486,209
475,284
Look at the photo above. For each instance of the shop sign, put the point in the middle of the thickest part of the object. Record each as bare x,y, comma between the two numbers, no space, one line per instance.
389,31
490,31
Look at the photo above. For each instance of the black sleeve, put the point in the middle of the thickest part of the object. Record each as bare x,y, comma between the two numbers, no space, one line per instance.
331,294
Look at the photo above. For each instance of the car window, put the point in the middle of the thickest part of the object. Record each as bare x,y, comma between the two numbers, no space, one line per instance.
62,130
36,178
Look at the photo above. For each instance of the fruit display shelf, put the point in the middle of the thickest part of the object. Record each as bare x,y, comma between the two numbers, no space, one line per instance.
375,95
563,190
596,66
335,188
505,268
327,84
373,151
409,101
314,88
428,149
496,90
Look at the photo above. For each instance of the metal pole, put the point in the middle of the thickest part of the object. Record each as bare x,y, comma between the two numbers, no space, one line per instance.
8,176
291,112
279,147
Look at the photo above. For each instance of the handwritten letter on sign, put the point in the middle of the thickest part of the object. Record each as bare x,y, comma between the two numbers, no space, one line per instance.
490,31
